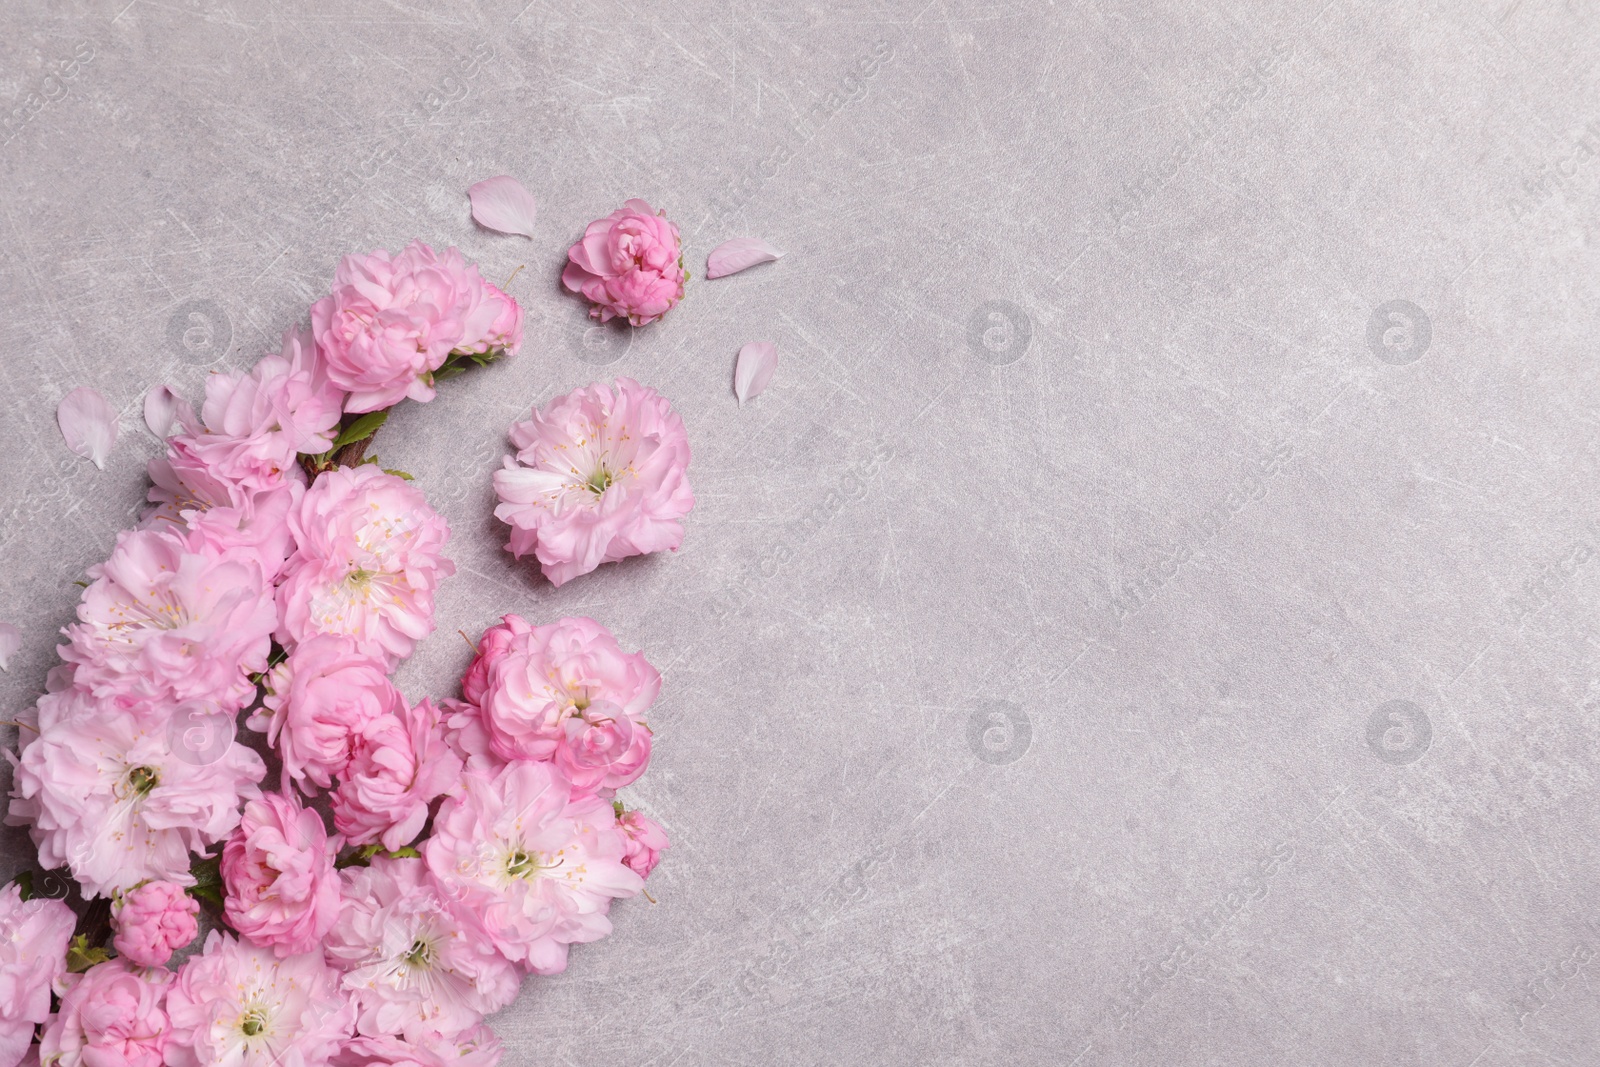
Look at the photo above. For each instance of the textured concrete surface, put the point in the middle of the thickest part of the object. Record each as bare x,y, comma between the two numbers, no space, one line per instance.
1150,617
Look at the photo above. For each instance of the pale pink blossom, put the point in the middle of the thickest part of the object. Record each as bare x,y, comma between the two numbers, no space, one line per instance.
398,763
317,701
282,889
367,563
628,264
237,1005
601,474
391,321
411,964
468,738
113,798
536,869
567,693
153,921
33,955
643,841
110,1016
165,617
475,1048
256,422
227,517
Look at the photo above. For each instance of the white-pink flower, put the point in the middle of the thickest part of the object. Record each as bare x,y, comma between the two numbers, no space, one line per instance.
567,693
226,516
391,321
237,1005
256,422
112,797
536,869
601,474
318,700
153,921
411,964
644,840
367,563
282,890
398,764
165,618
110,1016
475,1048
33,955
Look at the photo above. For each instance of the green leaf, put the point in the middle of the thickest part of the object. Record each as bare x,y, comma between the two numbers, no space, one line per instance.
399,474
80,957
361,429
404,852
444,374
24,884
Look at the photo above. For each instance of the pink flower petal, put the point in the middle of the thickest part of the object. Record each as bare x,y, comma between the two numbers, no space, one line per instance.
503,205
10,641
757,361
731,257
88,424
164,409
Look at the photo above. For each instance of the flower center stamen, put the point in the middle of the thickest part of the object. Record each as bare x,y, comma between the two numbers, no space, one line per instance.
141,780
253,1022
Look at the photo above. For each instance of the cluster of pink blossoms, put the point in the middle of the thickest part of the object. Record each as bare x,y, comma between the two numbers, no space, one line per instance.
416,860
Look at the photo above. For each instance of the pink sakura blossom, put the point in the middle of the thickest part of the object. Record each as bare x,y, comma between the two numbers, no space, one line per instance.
283,892
33,956
110,1016
367,563
475,1048
536,869
237,1005
165,617
318,700
567,693
644,841
601,474
153,921
398,764
112,797
228,518
468,738
257,422
628,264
413,966
391,321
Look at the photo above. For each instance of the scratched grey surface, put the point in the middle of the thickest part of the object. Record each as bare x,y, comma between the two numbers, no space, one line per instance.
1033,650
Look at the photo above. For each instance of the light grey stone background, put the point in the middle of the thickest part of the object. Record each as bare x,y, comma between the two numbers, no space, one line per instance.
1031,653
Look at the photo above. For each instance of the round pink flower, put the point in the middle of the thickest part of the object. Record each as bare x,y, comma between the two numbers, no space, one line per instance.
398,763
164,617
643,841
629,263
227,517
468,738
391,321
283,892
112,797
154,921
257,422
601,474
236,1005
475,1048
567,693
536,869
33,955
367,563
412,966
110,1016
492,648
319,700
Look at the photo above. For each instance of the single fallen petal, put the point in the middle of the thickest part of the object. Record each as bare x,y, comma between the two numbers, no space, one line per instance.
502,204
164,410
731,257
10,641
757,361
88,424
